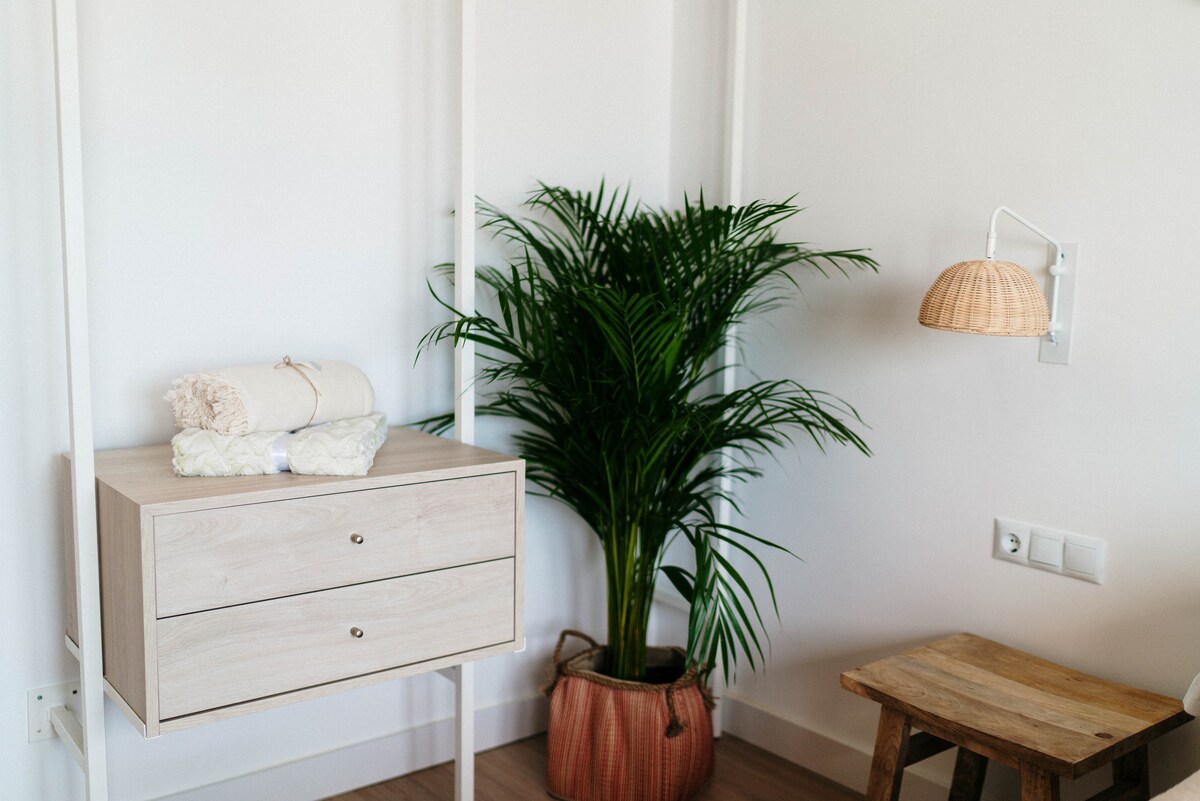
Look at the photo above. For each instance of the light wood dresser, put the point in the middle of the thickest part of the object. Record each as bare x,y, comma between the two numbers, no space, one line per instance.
221,596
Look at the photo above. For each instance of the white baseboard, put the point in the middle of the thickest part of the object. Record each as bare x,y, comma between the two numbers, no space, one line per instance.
350,767
344,769
834,760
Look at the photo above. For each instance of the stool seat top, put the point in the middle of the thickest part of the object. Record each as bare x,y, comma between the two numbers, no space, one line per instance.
1014,707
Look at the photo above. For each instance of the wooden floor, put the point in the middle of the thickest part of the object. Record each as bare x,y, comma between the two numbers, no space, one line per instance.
517,772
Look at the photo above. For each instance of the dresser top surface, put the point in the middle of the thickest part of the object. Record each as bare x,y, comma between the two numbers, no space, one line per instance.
145,476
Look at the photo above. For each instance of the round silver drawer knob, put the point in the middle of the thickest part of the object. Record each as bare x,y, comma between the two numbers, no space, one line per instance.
357,539
355,631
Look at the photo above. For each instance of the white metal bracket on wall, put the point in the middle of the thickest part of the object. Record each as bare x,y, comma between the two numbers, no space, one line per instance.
84,734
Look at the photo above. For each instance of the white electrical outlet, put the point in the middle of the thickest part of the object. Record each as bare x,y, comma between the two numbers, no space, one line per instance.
42,700
1011,541
1048,549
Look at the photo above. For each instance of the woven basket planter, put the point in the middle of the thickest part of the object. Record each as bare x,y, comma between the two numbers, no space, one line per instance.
613,740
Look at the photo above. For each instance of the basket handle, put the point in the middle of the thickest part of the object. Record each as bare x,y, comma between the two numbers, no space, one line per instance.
675,726
562,639
557,661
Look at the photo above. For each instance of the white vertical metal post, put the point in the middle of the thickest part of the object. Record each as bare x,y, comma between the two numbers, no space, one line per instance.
735,121
735,131
464,718
464,226
90,749
735,126
464,362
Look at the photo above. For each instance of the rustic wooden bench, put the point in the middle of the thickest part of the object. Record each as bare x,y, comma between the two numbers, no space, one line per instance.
994,702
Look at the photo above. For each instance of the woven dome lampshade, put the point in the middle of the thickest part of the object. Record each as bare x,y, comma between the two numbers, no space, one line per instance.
1000,298
985,296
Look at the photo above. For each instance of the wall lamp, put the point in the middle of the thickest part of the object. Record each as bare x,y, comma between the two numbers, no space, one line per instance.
1001,298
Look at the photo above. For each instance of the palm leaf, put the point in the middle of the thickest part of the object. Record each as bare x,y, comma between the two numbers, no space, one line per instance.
608,318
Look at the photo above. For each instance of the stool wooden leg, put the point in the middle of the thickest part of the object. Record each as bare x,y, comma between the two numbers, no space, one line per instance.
891,752
1134,766
969,771
1038,785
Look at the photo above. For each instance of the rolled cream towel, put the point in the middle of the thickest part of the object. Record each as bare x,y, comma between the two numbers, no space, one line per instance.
270,397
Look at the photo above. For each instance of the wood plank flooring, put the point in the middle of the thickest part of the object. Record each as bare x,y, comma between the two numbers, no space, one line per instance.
517,772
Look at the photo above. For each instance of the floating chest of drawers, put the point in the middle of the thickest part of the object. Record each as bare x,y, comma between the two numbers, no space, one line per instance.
221,596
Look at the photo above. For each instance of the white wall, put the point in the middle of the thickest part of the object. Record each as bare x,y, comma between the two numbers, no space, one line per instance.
275,178
270,178
901,125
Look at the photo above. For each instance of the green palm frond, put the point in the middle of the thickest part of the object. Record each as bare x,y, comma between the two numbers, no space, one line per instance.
607,324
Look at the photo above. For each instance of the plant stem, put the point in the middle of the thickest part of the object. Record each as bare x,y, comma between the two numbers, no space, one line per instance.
628,605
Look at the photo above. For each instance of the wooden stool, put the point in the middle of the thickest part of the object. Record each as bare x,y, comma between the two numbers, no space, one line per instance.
994,702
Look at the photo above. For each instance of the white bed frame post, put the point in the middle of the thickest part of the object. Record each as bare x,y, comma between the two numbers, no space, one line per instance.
735,132
85,740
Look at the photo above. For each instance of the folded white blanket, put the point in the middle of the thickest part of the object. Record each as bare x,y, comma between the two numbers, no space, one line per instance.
340,448
270,397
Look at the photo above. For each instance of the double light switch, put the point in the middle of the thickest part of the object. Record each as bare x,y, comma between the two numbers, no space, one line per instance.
1061,552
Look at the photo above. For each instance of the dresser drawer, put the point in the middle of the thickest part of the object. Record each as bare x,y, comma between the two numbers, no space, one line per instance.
227,656
221,557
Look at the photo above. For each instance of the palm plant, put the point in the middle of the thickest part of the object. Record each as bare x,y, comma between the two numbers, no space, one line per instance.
609,321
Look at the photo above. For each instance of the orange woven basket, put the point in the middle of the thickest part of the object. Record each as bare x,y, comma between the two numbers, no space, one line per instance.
613,740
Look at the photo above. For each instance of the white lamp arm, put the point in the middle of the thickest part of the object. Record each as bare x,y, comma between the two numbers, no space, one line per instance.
1056,269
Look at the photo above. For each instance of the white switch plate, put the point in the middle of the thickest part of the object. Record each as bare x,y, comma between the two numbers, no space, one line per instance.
1045,549
1079,559
1049,549
1076,557
40,702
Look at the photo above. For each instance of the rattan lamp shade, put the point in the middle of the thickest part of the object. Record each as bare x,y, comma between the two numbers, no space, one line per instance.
986,296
